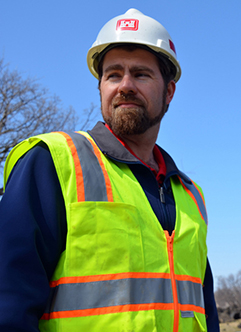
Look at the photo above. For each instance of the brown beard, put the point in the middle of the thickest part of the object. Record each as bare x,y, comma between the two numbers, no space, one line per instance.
132,121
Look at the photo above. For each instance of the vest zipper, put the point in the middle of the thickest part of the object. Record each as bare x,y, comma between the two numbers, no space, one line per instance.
164,208
170,240
162,195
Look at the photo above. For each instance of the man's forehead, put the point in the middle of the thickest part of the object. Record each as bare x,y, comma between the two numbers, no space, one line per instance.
137,57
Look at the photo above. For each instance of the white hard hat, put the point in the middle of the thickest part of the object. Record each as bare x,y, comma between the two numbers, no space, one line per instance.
135,28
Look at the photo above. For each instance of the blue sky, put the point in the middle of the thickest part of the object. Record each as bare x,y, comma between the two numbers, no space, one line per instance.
49,40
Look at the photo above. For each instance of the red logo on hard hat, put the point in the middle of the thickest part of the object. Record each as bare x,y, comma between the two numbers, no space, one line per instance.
127,24
172,46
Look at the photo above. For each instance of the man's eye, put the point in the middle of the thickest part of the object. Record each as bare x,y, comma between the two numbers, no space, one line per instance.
113,75
141,75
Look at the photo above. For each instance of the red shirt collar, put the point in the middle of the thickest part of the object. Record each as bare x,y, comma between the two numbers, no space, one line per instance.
160,175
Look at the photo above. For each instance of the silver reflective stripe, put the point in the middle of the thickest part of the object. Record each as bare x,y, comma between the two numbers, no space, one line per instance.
199,199
94,181
190,293
98,294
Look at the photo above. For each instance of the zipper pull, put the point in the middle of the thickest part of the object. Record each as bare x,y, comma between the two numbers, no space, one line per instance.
170,240
162,195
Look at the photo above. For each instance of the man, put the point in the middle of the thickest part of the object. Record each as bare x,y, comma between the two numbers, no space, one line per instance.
100,230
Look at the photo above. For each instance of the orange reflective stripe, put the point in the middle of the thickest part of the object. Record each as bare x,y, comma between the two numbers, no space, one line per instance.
78,170
108,310
191,307
106,176
102,277
188,278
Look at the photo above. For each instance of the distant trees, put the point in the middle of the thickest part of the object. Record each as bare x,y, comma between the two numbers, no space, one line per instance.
229,291
27,109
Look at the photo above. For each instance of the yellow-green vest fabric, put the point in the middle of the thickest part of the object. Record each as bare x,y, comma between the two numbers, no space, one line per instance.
120,271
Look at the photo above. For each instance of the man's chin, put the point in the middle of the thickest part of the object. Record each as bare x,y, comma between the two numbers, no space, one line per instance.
130,121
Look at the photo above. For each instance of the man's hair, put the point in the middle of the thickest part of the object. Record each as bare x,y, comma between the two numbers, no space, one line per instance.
165,66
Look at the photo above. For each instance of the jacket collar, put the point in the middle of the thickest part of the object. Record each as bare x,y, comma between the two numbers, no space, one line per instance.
111,147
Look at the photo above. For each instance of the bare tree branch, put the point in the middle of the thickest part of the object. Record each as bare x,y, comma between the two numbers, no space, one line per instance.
89,114
26,109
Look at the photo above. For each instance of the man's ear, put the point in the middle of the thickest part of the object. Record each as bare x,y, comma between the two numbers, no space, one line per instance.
171,88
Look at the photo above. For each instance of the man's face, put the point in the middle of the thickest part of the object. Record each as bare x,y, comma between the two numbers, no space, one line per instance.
133,93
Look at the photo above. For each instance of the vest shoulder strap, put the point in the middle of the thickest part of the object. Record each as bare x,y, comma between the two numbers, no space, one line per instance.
196,194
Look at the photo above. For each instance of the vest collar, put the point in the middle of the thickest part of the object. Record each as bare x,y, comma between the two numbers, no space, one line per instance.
111,147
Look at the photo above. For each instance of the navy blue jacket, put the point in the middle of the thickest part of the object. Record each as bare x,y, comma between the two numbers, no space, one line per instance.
33,230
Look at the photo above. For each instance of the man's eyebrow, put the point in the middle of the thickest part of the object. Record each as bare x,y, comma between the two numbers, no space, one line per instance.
113,67
142,68
132,69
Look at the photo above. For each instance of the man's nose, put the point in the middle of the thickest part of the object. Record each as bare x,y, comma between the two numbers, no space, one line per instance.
127,85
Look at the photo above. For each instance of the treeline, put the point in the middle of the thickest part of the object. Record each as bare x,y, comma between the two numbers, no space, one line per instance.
228,297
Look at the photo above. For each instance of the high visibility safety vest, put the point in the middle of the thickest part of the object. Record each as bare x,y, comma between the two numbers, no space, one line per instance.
120,270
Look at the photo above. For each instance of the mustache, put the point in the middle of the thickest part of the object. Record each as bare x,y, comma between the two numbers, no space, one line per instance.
127,98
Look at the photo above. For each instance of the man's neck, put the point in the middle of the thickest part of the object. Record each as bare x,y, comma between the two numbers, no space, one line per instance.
142,145
155,162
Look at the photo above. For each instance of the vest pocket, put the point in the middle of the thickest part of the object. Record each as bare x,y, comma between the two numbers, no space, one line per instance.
106,237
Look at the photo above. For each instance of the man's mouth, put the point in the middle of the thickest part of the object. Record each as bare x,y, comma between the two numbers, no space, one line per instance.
128,102
127,105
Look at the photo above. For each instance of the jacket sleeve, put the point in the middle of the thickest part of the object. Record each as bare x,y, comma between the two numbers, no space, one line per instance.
32,236
209,301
